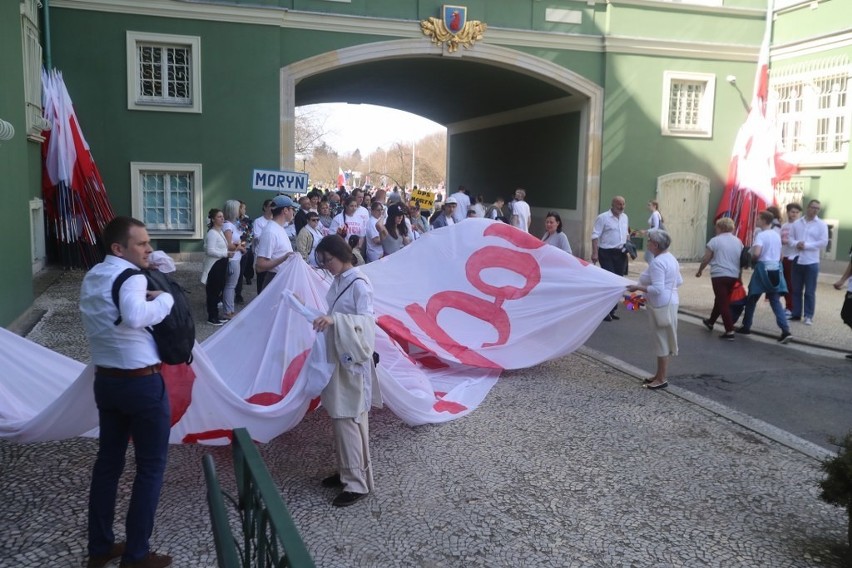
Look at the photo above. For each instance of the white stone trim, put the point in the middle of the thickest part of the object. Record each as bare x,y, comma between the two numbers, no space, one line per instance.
38,248
590,97
811,46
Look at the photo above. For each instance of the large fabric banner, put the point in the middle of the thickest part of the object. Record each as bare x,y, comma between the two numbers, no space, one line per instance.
454,309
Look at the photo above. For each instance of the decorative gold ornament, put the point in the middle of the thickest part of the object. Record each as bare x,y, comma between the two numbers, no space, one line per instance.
453,28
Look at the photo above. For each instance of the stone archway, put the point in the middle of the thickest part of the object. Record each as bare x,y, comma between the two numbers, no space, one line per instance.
588,93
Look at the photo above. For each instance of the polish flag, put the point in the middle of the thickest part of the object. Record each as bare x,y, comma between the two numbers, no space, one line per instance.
341,179
757,163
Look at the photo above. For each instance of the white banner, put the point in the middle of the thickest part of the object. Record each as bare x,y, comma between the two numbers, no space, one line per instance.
454,308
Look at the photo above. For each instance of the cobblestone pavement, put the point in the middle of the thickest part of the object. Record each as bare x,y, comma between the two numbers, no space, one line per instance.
568,463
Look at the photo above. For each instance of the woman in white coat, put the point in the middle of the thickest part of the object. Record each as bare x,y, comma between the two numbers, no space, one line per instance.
349,330
660,282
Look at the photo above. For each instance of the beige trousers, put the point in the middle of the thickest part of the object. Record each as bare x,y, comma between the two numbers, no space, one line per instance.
352,441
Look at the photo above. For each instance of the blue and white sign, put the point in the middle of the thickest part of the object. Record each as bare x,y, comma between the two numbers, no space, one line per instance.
279,181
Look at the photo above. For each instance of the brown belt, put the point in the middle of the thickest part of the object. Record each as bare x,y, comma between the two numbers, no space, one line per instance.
127,373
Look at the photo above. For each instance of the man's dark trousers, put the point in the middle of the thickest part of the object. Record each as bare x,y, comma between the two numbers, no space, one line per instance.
615,261
137,408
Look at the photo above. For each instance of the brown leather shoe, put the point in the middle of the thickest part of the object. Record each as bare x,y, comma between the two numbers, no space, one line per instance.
102,560
150,560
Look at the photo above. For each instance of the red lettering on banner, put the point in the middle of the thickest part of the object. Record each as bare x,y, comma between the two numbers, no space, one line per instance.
496,257
520,239
292,372
265,398
427,320
403,337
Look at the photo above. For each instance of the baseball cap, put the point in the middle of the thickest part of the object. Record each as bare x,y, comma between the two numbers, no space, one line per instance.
280,201
451,200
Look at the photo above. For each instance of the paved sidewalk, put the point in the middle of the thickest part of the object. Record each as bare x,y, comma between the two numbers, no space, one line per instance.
569,463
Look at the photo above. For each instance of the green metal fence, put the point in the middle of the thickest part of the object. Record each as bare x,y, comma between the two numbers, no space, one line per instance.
269,538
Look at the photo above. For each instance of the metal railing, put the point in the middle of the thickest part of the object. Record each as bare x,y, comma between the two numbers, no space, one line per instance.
269,536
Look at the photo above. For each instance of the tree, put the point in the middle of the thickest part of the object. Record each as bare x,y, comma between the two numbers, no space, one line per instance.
309,130
837,486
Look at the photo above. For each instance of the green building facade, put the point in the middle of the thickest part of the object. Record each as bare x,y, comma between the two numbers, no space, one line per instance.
575,100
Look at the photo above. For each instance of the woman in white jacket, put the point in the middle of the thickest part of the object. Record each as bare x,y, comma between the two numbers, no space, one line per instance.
215,267
349,328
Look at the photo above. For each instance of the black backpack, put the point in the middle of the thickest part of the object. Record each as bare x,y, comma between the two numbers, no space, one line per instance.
175,335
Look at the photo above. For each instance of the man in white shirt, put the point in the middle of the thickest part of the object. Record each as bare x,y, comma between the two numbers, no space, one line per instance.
609,235
275,247
257,230
810,236
462,204
789,254
521,215
130,395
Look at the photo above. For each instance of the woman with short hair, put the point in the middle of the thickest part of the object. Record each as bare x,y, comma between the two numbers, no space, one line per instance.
660,282
723,254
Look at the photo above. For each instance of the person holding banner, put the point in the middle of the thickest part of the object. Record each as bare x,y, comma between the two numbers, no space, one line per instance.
349,328
660,281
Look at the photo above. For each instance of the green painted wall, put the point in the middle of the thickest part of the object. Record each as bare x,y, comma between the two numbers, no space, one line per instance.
237,131
20,173
538,155
635,153
810,21
678,22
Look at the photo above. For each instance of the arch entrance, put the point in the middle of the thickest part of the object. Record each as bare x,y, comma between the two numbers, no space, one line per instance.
512,119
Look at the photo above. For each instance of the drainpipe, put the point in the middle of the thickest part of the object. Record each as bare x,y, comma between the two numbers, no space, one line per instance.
45,12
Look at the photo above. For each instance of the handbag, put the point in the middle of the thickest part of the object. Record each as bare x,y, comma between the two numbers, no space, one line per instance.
661,314
738,292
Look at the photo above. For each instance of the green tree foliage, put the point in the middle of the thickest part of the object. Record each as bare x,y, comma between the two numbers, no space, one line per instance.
837,485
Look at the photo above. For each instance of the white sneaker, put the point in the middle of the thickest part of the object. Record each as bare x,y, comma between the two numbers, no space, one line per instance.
808,321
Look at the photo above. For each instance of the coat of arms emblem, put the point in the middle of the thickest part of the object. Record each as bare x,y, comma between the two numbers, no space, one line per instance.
453,28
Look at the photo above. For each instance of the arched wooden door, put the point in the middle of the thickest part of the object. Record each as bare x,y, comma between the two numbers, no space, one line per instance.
683,199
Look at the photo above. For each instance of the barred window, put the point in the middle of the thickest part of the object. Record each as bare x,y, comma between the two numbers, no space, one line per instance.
688,104
813,111
167,198
163,72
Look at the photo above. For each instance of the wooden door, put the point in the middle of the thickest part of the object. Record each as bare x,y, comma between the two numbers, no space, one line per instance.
683,198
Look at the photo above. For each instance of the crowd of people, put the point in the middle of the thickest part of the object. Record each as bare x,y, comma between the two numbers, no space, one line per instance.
336,232
784,256
239,249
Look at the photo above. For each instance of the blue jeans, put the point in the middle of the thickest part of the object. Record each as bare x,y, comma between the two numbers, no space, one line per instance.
804,280
774,301
136,407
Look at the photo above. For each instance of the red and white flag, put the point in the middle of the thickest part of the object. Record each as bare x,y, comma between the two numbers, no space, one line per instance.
757,163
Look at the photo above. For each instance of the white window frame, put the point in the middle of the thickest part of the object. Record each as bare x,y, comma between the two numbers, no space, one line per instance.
704,128
31,49
134,98
137,197
799,123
